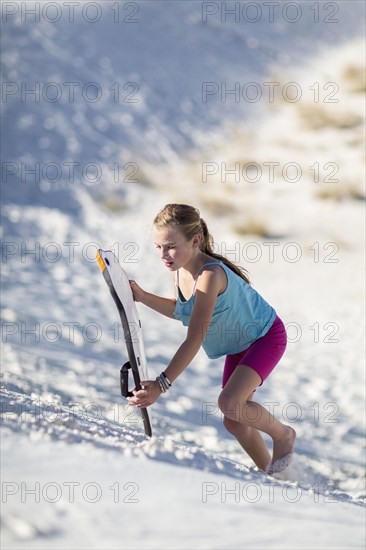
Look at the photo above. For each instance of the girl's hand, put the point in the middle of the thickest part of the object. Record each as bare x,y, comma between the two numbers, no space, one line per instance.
137,291
146,397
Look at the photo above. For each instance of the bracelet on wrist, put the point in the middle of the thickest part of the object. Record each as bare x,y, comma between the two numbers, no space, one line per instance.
162,390
164,382
167,379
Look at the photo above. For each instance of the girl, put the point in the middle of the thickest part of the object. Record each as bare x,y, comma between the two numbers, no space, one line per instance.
226,316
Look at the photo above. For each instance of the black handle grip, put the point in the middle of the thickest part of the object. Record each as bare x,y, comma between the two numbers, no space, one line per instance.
124,380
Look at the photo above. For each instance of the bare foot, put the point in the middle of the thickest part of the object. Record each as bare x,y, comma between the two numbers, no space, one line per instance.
282,451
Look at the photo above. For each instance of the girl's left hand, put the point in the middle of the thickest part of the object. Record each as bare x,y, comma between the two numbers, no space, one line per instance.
146,397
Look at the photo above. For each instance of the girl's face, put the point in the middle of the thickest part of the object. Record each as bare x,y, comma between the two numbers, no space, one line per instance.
174,249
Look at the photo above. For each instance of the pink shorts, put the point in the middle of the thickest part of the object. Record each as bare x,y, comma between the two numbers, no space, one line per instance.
262,356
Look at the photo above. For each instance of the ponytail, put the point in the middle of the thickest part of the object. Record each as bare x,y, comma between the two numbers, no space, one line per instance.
207,247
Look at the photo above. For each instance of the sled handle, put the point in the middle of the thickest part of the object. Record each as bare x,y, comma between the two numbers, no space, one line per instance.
124,380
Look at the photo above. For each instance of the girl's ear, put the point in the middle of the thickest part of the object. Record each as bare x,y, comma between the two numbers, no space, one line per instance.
197,239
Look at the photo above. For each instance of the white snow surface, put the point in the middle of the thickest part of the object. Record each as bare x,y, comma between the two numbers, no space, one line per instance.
77,470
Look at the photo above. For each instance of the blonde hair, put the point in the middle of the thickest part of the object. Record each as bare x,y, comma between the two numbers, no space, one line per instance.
190,223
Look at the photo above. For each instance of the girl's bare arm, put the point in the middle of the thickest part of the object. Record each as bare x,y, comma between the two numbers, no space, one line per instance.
165,306
207,291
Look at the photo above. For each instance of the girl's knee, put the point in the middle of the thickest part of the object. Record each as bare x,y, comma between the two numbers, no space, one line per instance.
228,405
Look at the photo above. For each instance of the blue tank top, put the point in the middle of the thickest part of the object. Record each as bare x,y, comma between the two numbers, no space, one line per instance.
240,317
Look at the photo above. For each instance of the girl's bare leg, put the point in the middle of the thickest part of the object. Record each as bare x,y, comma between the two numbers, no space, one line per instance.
251,441
234,402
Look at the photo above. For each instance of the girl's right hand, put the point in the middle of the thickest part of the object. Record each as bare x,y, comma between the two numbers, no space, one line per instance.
137,291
